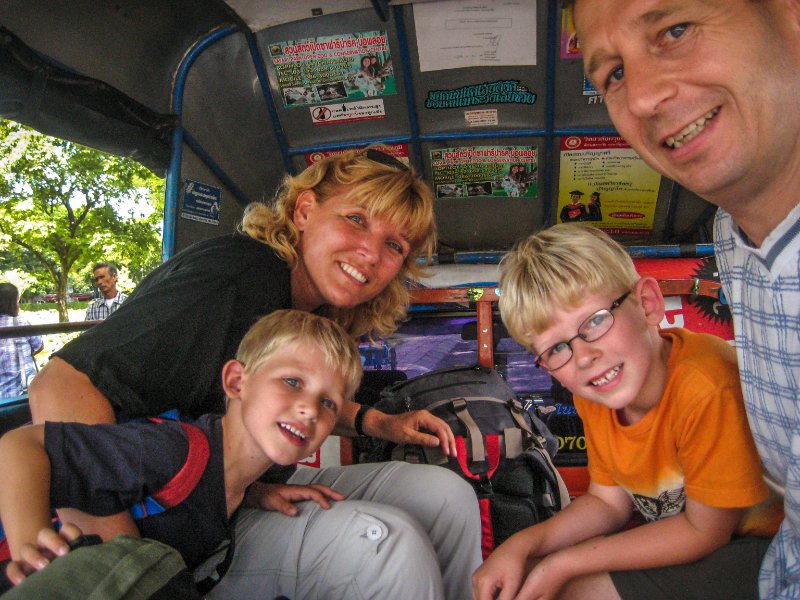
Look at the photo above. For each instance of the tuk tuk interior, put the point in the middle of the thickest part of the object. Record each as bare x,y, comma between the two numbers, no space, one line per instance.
195,91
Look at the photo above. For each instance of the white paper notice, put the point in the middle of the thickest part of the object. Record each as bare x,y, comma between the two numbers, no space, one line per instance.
473,33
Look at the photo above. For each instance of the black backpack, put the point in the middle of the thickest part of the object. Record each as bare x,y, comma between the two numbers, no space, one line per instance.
505,450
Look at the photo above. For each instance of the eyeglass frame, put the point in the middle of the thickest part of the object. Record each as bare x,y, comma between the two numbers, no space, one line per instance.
610,310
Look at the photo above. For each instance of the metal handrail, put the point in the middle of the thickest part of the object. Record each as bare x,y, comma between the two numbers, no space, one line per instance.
29,330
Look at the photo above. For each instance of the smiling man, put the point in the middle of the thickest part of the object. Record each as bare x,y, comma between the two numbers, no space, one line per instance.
706,92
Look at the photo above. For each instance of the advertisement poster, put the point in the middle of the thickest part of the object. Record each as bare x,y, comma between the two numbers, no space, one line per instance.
602,180
570,46
398,151
333,68
502,171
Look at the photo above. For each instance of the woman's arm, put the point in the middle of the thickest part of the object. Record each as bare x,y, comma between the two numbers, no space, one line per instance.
36,344
417,427
25,494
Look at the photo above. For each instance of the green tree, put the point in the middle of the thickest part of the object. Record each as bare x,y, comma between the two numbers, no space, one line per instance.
64,206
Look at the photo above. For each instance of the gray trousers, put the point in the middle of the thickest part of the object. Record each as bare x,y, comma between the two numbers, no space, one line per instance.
405,531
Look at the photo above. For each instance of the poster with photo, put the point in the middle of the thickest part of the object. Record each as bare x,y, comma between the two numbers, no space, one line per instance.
570,46
602,180
333,68
501,171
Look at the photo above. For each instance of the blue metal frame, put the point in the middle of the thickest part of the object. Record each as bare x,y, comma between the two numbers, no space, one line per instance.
174,170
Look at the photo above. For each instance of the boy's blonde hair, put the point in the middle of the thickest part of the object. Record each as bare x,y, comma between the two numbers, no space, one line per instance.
283,327
557,268
386,191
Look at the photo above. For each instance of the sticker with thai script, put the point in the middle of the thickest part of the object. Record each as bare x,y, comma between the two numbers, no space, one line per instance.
507,91
346,112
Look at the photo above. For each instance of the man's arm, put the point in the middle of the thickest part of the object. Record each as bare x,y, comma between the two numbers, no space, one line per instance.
25,495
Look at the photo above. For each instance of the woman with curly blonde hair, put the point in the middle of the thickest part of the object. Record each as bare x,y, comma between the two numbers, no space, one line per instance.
339,239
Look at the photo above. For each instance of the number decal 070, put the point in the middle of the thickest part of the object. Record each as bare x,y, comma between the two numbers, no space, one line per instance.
572,442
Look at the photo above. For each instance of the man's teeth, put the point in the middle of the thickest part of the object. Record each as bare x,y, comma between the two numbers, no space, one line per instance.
353,272
691,130
607,377
292,430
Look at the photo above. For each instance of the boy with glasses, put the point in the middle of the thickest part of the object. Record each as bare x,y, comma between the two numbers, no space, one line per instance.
666,435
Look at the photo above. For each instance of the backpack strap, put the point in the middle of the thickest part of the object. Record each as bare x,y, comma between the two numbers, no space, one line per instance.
5,551
493,447
177,489
512,442
478,452
539,445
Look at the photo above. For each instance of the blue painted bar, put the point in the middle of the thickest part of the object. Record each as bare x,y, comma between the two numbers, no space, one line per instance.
408,84
663,251
263,80
174,171
198,149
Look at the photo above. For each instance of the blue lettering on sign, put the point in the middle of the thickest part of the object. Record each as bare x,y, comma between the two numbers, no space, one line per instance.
201,202
565,409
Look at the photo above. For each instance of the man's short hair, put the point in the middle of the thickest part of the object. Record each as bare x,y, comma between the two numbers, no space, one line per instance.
557,268
283,327
112,270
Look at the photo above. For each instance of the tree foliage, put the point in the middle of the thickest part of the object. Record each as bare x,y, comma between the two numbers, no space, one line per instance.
64,206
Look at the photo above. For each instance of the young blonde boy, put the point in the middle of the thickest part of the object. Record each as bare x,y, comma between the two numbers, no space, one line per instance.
666,435
292,373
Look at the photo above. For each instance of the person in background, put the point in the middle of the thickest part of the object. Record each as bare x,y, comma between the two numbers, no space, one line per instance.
105,278
574,210
17,365
705,93
594,211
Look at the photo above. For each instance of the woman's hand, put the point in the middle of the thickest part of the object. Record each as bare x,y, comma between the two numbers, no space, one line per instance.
49,545
280,497
417,427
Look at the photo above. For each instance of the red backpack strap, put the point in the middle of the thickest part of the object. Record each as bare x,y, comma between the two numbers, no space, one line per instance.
177,489
5,552
492,451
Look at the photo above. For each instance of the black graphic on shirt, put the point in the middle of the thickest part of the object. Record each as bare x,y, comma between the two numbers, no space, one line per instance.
668,503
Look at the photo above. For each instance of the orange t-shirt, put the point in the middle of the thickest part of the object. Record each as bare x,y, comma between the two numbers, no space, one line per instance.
694,443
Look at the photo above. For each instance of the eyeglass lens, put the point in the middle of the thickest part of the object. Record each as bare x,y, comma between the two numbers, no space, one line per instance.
591,329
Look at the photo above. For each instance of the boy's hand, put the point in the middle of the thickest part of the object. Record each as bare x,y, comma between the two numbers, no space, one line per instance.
545,580
280,497
411,428
49,545
501,575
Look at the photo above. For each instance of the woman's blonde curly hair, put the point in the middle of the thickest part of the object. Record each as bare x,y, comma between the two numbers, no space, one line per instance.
386,192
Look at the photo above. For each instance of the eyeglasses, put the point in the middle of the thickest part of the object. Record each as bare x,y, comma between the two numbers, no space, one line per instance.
591,329
385,159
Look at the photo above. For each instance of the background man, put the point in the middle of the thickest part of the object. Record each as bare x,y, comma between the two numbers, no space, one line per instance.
706,93
105,278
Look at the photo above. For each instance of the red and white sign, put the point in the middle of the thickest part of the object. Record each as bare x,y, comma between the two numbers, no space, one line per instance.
358,110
